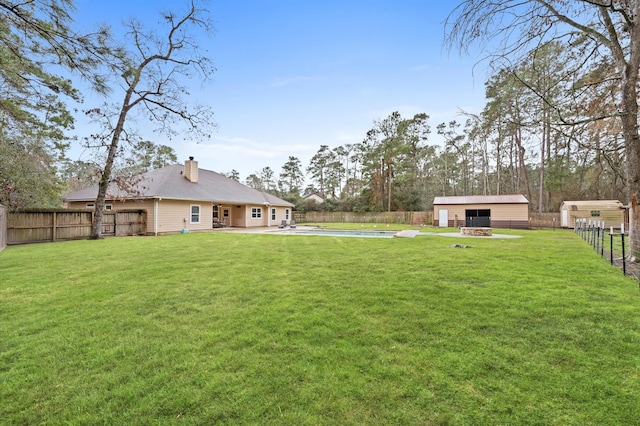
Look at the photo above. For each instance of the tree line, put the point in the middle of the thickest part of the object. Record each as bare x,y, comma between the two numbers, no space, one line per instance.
560,120
516,144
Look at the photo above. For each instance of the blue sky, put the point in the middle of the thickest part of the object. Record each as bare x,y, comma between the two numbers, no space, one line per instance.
296,74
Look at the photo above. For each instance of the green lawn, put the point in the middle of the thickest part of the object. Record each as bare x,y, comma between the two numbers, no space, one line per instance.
259,329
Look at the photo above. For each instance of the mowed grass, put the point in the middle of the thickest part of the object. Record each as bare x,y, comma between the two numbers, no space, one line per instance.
230,328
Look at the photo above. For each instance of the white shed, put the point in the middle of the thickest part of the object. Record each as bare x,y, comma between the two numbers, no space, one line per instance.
611,211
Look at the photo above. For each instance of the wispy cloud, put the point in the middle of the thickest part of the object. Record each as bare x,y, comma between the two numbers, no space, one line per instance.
286,81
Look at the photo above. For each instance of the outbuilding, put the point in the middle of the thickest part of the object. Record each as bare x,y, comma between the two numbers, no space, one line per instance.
494,211
611,211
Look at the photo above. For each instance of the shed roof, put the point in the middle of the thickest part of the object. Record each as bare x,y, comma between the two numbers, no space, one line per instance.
170,183
590,204
483,199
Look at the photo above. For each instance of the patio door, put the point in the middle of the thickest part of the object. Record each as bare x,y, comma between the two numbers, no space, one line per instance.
221,216
226,216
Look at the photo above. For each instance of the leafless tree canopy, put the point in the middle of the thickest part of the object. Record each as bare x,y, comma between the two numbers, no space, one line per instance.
154,70
603,36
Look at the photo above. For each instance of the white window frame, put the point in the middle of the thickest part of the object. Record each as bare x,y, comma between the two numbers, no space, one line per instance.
273,213
286,214
90,205
192,214
108,206
256,212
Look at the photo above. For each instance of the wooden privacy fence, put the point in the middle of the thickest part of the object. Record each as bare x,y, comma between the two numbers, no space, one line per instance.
544,220
407,218
3,228
536,220
33,226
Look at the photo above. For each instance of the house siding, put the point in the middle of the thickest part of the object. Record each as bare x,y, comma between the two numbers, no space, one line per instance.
174,214
502,215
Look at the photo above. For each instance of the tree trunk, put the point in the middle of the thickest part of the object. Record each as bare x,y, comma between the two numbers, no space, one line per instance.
522,163
96,226
541,177
632,139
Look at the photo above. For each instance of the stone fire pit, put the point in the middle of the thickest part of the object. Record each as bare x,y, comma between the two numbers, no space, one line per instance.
475,231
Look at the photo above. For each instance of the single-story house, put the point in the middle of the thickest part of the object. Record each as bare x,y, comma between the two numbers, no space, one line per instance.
179,198
611,211
495,211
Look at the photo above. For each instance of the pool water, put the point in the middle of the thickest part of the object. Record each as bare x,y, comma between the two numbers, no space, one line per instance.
343,233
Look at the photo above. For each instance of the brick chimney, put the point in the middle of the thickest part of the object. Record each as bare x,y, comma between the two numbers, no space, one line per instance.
191,170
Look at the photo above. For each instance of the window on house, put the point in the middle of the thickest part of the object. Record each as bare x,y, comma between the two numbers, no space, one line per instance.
195,214
286,214
108,207
90,205
273,214
595,213
256,213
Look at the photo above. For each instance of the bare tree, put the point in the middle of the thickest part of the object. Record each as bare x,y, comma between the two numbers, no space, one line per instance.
152,73
600,31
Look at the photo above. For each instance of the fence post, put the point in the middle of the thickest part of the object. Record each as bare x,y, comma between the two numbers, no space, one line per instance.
611,244
53,227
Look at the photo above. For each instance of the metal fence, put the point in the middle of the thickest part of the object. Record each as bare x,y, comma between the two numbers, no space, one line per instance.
612,244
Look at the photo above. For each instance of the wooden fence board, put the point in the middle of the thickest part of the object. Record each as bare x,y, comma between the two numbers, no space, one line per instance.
544,220
536,220
408,218
3,228
61,225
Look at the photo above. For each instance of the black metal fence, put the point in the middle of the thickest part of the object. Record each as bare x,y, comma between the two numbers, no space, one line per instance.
612,244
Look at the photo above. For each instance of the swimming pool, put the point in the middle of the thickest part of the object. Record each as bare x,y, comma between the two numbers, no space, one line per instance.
343,233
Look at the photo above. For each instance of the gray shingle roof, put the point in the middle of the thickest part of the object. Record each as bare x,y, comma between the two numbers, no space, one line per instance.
483,199
170,183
